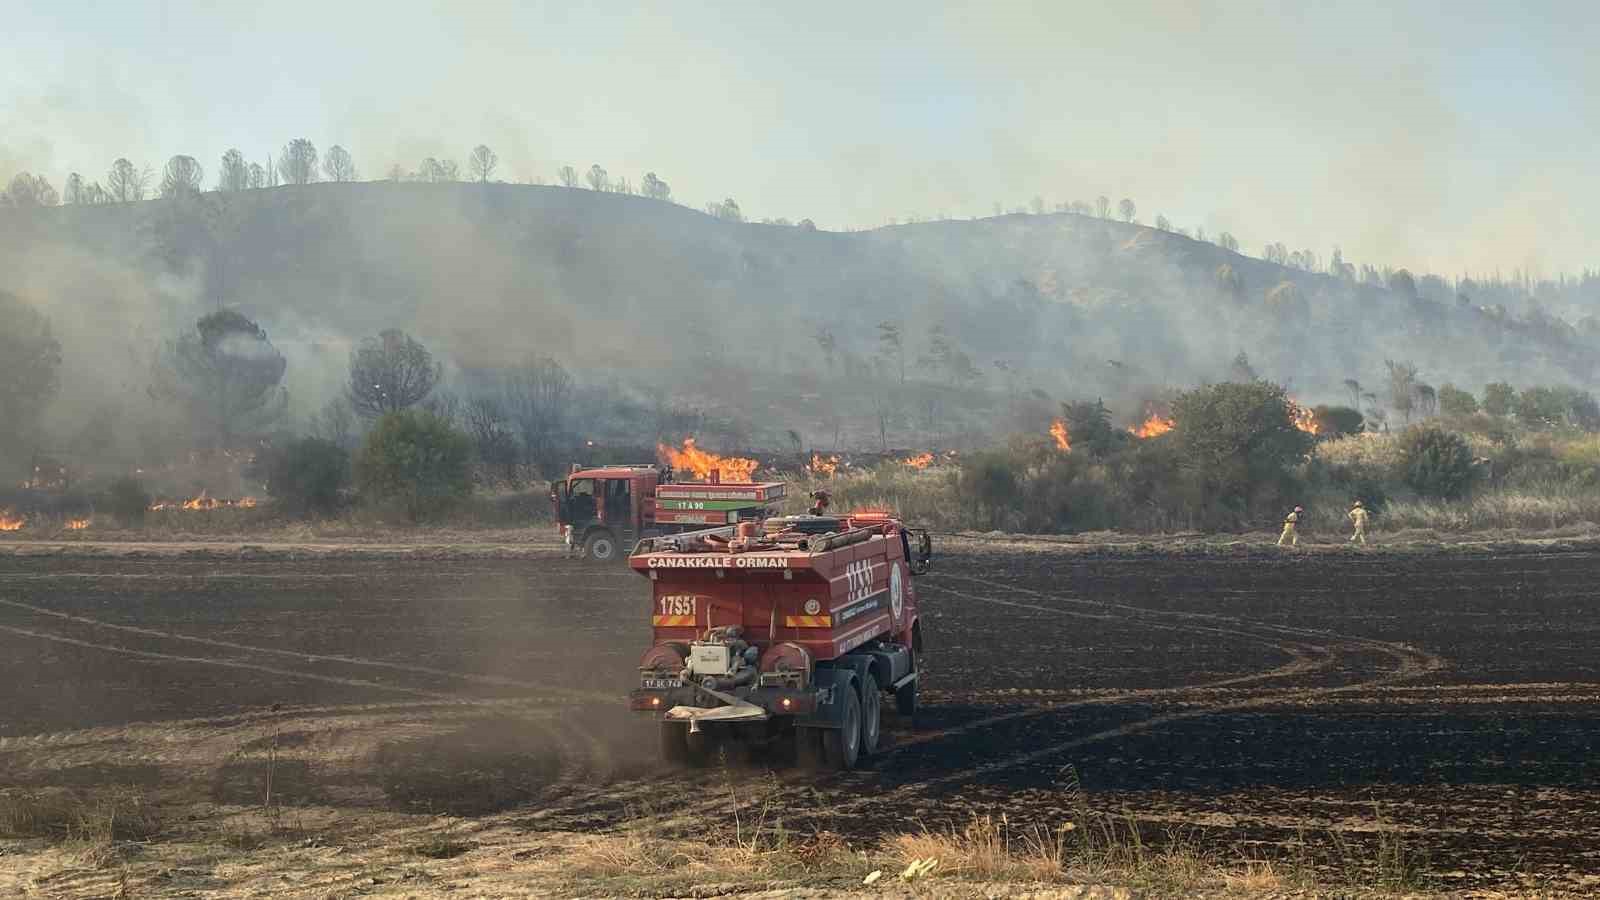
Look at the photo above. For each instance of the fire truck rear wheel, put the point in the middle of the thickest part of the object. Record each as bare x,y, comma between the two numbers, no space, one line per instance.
842,746
871,716
680,748
600,547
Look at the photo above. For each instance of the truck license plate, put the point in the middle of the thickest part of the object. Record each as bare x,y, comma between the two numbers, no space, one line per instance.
661,684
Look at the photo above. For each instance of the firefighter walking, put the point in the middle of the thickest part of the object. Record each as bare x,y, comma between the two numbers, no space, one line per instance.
1358,516
1291,531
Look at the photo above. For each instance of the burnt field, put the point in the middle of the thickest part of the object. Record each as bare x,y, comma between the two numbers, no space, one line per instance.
1311,706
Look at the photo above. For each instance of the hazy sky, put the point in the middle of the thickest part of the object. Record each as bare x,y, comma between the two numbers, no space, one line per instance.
1440,136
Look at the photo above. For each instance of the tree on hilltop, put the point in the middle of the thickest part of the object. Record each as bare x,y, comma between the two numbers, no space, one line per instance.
482,163
298,162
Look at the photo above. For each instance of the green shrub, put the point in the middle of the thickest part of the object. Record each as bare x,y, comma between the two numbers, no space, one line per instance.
989,483
416,461
127,501
1236,443
1499,398
307,475
1436,463
1089,425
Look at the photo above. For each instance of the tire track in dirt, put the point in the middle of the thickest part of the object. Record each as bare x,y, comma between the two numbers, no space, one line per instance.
340,659
226,663
1409,662
1304,659
1430,661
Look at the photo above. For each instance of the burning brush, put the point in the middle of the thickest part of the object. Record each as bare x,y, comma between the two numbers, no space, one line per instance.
702,463
1058,430
823,466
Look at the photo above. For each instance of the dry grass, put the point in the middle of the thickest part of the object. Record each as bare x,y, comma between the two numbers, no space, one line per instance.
1505,509
1368,452
1264,876
925,496
749,851
103,815
987,849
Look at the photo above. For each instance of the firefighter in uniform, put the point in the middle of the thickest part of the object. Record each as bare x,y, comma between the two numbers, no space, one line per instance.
820,501
1291,533
1358,515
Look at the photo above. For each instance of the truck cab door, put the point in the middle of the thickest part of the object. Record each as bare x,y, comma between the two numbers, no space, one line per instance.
618,509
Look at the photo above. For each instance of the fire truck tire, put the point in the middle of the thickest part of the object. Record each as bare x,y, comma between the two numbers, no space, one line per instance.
871,716
680,748
841,746
600,547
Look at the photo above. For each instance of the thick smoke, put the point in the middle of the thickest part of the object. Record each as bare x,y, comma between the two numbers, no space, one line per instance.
756,329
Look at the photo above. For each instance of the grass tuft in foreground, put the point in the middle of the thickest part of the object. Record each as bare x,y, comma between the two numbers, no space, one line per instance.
122,814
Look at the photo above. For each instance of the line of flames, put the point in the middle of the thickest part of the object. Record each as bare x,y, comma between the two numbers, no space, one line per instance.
203,501
920,461
1302,417
14,521
702,463
1152,426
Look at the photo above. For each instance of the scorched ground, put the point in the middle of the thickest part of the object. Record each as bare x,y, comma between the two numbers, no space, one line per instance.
1253,705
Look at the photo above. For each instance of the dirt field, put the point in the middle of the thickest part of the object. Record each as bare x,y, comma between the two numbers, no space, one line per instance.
1325,708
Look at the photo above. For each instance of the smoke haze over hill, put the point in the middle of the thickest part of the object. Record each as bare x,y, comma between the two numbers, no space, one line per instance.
766,328
1423,135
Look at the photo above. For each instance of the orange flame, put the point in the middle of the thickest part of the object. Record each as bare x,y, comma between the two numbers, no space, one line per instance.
1152,426
1058,430
920,461
10,521
203,502
824,466
77,524
1304,418
702,463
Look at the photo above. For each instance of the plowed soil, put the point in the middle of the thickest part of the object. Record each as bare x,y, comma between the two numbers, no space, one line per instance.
1306,706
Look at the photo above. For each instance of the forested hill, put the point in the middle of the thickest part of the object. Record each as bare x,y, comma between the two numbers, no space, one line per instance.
640,291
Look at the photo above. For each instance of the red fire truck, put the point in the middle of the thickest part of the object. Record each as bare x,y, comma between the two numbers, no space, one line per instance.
603,511
791,629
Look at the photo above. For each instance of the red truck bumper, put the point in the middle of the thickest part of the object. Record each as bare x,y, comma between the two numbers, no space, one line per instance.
776,701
